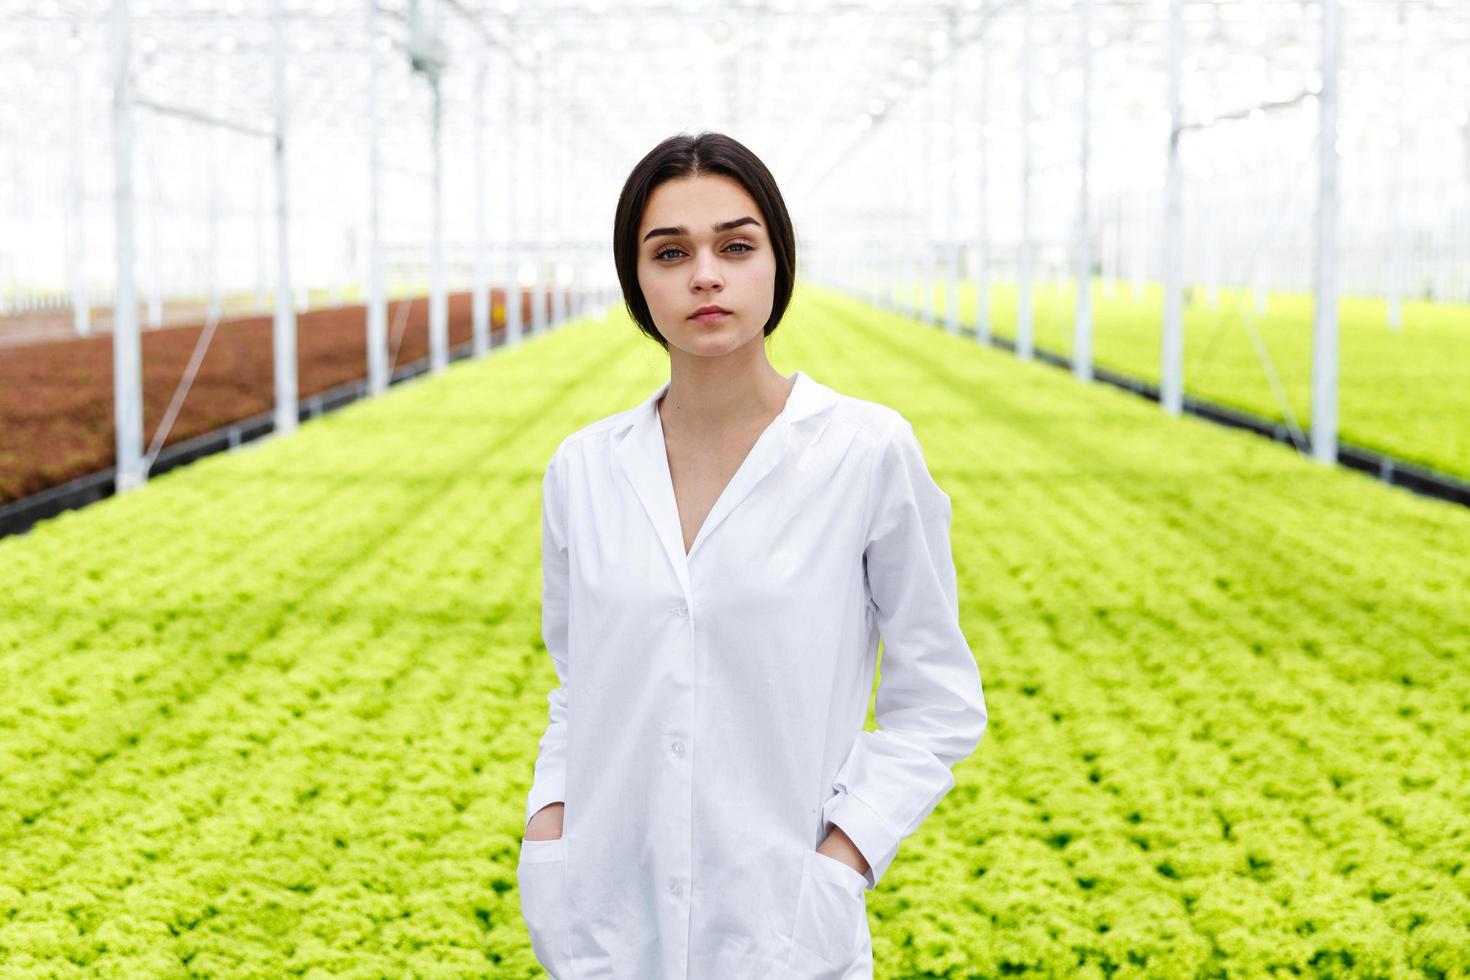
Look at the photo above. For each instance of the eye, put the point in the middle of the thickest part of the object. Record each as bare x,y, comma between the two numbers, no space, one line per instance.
744,246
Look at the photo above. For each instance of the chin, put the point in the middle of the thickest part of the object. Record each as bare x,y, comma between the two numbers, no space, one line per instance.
697,335
709,347
720,341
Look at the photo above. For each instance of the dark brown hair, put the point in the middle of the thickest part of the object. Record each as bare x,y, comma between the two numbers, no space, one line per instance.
691,156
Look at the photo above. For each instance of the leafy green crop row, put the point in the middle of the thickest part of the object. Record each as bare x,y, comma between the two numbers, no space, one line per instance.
1229,690
275,713
1402,392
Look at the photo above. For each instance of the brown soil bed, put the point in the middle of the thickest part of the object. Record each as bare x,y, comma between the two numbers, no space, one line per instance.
56,411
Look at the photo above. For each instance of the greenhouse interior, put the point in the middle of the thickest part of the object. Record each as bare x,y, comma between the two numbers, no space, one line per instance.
301,300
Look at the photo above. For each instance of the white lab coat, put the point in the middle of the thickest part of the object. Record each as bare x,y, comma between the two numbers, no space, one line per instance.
708,727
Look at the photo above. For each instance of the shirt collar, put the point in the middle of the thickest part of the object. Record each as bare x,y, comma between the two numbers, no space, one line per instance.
640,451
808,397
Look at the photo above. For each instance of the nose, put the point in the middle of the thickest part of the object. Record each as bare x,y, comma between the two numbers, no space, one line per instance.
706,273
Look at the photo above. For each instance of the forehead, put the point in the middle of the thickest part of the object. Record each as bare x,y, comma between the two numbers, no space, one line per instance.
698,202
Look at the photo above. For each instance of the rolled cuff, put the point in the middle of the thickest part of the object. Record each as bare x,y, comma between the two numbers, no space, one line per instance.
865,827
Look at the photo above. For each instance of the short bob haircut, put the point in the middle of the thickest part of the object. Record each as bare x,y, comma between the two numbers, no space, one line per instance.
680,156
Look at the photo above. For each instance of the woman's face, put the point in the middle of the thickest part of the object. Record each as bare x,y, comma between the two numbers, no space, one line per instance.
703,242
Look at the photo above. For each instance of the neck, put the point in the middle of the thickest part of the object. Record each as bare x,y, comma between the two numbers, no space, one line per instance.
711,398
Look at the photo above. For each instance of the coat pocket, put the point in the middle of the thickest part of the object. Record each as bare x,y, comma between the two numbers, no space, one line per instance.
541,877
830,915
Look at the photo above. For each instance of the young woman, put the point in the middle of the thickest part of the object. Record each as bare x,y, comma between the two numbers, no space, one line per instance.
719,563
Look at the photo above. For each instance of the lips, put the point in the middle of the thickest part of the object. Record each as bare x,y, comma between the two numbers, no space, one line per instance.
707,309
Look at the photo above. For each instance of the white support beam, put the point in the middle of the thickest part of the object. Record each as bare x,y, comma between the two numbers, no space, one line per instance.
1324,310
208,119
911,263
1024,343
982,276
212,236
1397,240
76,212
480,297
438,300
283,329
538,198
127,356
514,327
982,283
377,300
1171,369
926,204
951,169
564,161
1082,325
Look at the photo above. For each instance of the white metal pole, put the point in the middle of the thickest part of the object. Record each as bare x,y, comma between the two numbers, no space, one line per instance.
581,298
1396,237
1171,371
575,305
127,354
883,253
1259,279
283,331
1465,158
897,247
377,301
551,170
81,310
560,160
211,246
513,313
553,214
926,205
438,303
1324,312
913,291
951,247
982,288
1082,328
480,299
1023,285
905,259
538,203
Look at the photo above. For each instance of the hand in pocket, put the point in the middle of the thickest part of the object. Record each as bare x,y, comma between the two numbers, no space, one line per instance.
541,878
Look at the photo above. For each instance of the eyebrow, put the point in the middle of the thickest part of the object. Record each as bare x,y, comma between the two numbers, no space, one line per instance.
717,228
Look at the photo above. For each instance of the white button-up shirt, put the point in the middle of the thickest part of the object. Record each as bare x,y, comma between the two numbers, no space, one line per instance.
708,727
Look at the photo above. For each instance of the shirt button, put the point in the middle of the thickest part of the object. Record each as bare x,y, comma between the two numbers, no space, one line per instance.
676,889
678,749
681,610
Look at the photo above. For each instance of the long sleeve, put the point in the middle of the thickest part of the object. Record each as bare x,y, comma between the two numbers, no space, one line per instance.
930,706
548,785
